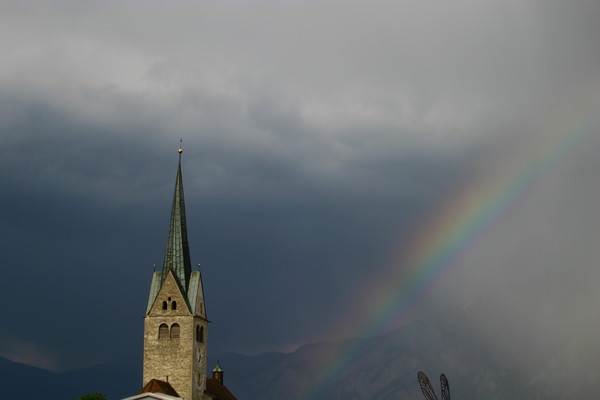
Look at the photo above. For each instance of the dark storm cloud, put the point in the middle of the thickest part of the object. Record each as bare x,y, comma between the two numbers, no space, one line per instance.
86,218
318,137
93,215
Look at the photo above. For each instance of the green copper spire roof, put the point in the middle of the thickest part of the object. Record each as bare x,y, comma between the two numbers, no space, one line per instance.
177,254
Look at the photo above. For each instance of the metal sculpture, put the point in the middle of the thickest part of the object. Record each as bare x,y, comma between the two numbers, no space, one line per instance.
445,387
427,389
426,386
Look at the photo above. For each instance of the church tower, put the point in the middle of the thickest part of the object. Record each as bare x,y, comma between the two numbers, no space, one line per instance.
175,324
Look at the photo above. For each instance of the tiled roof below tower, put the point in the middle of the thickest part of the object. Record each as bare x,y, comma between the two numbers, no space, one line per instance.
158,386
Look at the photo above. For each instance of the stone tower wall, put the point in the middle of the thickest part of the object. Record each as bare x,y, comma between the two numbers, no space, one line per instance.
180,361
169,359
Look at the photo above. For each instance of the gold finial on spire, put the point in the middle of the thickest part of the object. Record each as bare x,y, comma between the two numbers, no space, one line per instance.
180,145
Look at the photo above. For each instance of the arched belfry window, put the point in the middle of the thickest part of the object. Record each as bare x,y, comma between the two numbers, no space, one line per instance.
199,333
163,331
175,331
174,305
164,305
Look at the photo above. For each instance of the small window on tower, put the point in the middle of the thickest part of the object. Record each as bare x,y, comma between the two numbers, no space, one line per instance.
174,305
175,331
163,331
164,305
200,334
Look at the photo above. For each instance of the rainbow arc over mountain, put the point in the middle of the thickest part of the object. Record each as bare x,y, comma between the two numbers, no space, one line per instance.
435,257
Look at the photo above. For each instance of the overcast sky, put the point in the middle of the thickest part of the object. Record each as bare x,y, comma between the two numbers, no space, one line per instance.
322,141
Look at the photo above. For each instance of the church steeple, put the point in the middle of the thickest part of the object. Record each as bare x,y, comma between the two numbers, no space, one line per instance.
175,324
177,253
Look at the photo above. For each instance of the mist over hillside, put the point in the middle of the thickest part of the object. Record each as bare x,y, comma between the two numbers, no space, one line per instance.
385,367
381,367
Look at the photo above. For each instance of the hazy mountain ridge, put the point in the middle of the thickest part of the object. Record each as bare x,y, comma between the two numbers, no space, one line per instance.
487,349
384,367
117,379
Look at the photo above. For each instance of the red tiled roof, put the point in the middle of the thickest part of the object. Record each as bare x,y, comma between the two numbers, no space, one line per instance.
156,386
218,391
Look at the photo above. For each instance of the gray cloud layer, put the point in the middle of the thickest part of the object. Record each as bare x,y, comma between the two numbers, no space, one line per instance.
319,137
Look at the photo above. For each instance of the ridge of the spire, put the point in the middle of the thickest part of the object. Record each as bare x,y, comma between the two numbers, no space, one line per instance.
177,253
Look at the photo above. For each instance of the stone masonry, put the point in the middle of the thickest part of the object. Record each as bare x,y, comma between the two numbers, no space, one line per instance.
181,361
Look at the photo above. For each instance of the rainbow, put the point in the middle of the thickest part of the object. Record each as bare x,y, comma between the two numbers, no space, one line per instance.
439,251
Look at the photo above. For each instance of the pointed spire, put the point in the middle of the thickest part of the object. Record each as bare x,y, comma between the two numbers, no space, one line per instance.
177,253
217,367
218,373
